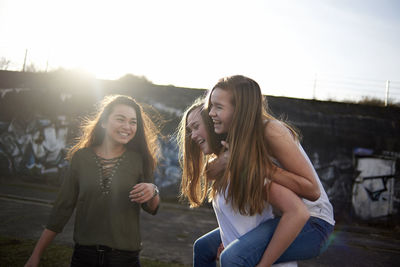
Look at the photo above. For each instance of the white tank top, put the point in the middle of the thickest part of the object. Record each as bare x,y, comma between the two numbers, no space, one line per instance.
233,225
321,208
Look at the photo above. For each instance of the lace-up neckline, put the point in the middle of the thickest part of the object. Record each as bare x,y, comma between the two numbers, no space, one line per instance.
107,169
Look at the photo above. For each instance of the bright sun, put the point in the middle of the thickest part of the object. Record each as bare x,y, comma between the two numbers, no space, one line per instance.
194,43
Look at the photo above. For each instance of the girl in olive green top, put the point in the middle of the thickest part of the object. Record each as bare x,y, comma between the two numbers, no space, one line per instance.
109,178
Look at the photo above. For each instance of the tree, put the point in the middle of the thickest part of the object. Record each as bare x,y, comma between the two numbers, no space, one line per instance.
31,68
4,63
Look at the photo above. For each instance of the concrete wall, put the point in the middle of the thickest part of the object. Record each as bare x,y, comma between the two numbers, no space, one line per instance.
354,148
336,137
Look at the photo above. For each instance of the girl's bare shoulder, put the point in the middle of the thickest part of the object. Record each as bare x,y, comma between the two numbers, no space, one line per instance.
275,128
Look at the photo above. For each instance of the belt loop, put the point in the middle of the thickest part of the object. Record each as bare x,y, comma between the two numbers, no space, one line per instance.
101,257
101,252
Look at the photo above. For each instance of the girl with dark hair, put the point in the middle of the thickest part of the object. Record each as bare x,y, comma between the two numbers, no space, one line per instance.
109,178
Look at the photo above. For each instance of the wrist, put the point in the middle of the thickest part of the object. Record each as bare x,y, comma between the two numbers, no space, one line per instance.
156,191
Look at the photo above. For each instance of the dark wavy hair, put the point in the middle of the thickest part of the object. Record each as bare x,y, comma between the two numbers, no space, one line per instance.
144,142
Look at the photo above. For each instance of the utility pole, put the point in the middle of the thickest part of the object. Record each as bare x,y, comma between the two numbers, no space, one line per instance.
387,93
23,67
315,86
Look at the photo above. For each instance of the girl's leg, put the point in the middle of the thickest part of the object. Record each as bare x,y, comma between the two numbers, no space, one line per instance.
311,241
249,248
205,249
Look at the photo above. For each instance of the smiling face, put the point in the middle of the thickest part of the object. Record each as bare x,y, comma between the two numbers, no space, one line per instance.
221,110
197,129
121,125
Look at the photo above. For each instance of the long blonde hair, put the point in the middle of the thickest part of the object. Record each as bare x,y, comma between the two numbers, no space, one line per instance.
194,184
144,142
250,159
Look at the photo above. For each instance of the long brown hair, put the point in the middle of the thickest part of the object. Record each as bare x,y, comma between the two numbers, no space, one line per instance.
250,161
194,184
144,141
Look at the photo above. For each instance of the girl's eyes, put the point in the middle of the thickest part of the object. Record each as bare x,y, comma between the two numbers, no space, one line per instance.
188,133
215,106
121,120
192,127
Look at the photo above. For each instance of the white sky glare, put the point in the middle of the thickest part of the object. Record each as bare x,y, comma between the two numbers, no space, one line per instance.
282,44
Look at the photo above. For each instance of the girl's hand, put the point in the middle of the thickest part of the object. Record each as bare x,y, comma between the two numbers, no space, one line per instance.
219,250
32,262
226,154
215,168
142,192
225,144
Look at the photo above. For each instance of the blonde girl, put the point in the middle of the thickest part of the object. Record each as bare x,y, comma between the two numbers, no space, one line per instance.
262,150
197,141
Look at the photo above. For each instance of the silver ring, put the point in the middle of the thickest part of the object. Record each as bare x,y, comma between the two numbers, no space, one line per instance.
141,194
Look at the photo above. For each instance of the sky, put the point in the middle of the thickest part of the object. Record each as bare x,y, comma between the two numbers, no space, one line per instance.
296,48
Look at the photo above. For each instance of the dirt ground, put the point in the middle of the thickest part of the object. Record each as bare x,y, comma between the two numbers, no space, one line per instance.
169,235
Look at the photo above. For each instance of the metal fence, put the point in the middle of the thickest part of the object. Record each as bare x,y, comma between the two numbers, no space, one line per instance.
340,88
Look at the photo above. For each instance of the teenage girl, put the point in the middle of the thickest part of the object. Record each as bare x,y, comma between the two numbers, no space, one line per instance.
196,136
262,148
108,181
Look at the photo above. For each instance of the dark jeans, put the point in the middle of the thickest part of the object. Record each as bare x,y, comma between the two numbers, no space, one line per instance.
101,256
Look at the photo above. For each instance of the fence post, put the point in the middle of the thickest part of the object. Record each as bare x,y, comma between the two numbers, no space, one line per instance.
23,67
315,86
387,93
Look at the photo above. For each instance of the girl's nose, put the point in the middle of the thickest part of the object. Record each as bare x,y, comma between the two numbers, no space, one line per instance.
126,125
193,135
211,113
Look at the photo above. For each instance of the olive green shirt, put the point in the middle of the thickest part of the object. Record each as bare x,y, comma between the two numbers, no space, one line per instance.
101,219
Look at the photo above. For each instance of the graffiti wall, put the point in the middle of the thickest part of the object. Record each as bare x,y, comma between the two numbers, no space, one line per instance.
373,192
37,126
337,178
34,140
33,147
37,148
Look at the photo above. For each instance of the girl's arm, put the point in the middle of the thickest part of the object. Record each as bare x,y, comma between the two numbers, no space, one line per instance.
144,193
294,217
153,204
298,174
44,241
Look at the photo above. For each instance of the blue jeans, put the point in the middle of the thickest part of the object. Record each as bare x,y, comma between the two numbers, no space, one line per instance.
88,256
249,248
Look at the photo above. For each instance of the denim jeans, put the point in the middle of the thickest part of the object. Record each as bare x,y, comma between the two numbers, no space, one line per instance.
248,249
84,256
205,249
